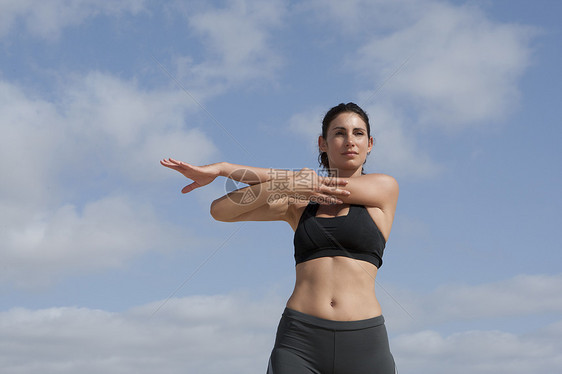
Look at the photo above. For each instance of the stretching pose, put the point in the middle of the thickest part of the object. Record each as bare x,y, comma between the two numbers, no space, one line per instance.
332,323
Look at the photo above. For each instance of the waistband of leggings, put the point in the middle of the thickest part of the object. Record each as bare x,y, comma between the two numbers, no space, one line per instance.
333,325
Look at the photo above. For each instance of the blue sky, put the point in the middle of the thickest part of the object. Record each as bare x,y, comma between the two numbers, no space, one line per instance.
107,267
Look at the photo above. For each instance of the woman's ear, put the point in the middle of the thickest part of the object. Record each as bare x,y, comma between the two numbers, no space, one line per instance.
322,144
371,143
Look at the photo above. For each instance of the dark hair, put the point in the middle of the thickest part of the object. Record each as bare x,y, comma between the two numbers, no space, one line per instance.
330,116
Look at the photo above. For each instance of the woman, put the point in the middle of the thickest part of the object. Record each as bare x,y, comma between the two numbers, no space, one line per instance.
332,322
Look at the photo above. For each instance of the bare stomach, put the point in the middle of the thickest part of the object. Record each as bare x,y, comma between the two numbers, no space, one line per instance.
336,288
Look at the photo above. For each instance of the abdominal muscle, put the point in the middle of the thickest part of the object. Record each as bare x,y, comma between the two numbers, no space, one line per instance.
336,288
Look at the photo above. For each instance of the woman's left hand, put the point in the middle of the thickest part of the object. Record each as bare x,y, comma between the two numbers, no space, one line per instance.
201,175
323,190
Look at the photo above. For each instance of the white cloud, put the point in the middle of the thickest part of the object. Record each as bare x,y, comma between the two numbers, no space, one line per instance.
31,130
308,123
69,240
502,298
189,334
421,348
97,118
477,352
55,154
463,68
100,125
46,19
396,150
207,334
130,129
470,303
238,44
361,17
433,64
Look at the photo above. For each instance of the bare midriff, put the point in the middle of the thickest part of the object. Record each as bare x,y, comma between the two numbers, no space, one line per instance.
336,288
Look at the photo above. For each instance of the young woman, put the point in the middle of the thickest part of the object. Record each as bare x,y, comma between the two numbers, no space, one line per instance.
333,322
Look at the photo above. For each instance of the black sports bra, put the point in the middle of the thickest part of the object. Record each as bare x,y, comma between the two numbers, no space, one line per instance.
355,235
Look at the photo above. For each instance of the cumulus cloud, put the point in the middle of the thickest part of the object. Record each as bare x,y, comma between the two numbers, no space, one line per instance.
463,68
360,17
481,352
97,118
308,123
46,19
396,150
59,211
237,40
128,128
422,347
31,130
474,303
70,240
431,64
190,334
502,299
200,334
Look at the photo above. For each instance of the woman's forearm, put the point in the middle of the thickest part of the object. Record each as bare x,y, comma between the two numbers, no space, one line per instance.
278,191
250,174
244,200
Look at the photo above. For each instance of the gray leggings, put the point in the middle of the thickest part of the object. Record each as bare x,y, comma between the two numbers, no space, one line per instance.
307,344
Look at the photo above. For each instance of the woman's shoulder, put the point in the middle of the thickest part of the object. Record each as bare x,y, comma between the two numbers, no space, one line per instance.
373,190
380,180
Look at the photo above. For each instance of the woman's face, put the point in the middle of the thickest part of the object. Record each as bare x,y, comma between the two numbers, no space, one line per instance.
347,142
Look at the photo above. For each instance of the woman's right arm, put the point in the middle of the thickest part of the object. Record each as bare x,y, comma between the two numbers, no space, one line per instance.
251,203
270,200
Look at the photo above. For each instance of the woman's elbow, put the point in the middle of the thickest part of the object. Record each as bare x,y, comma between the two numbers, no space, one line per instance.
218,212
215,211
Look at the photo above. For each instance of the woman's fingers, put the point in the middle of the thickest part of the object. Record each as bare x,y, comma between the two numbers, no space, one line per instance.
331,194
169,163
179,163
182,167
172,162
333,191
190,187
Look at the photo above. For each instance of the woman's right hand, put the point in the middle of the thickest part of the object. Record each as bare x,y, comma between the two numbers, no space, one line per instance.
201,175
323,190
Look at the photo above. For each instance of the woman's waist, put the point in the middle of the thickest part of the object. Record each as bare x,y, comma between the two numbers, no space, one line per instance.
330,324
335,303
336,288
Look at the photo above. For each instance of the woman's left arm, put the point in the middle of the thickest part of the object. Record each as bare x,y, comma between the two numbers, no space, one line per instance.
203,175
373,190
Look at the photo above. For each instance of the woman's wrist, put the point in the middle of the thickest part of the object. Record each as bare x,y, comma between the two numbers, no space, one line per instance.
223,167
246,174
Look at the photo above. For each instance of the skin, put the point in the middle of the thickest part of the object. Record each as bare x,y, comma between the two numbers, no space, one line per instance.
342,288
335,288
